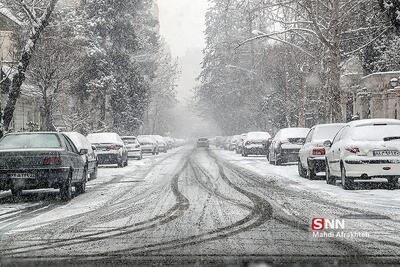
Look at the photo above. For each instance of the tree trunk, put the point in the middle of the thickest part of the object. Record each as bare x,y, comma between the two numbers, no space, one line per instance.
19,77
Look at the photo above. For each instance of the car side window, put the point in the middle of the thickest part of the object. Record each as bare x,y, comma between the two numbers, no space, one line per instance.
309,136
339,135
70,145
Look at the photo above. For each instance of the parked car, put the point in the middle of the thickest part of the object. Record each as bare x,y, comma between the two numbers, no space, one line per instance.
239,146
365,149
149,144
254,144
312,154
81,142
286,144
41,160
110,149
133,146
219,141
234,142
203,142
162,144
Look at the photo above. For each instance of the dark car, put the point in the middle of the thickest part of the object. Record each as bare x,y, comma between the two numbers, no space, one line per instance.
203,142
41,160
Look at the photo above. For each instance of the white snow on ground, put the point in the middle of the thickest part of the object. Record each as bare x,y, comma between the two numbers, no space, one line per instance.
99,192
373,198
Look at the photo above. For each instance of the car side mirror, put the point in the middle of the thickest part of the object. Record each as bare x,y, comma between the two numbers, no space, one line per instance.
83,151
328,143
94,147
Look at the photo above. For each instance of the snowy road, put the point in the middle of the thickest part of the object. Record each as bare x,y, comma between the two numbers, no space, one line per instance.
198,206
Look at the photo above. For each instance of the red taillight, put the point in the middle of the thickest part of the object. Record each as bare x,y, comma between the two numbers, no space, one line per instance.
318,151
353,150
52,161
114,147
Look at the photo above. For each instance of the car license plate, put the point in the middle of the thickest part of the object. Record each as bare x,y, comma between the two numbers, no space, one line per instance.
22,175
386,153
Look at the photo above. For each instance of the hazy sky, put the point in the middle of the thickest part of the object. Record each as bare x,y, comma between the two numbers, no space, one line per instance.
182,24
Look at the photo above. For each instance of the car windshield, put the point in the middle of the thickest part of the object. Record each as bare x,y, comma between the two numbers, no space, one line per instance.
326,132
375,132
130,141
29,141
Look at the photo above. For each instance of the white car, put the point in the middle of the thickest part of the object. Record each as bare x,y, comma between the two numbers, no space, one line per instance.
110,149
286,144
81,142
255,143
365,149
133,146
162,144
148,144
312,154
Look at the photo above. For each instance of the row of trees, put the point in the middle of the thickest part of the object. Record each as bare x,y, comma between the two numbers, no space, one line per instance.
273,64
98,65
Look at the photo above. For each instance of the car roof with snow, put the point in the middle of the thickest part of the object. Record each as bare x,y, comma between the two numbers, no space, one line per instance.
372,122
258,135
79,140
96,138
292,132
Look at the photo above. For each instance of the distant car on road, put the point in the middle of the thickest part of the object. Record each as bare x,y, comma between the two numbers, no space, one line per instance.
110,149
255,144
149,144
286,144
81,142
133,146
203,142
312,154
42,160
364,150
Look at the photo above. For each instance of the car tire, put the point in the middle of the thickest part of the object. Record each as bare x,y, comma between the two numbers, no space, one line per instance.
126,162
16,192
329,178
347,183
80,188
302,171
66,189
93,175
311,175
393,183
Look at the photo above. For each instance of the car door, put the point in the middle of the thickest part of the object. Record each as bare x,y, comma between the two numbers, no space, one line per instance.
77,162
306,149
335,152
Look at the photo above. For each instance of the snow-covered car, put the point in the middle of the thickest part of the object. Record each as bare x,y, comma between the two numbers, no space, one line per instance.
81,142
41,160
286,144
110,149
239,146
234,142
162,144
203,142
364,150
149,144
255,143
312,154
133,146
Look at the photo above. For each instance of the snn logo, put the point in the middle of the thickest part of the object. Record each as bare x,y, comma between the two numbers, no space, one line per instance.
320,224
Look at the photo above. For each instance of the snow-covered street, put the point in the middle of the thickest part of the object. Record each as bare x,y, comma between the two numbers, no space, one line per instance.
200,206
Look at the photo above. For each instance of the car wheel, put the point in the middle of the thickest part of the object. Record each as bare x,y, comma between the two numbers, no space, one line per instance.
329,178
311,173
66,189
393,183
126,162
301,170
16,192
80,188
93,175
347,183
